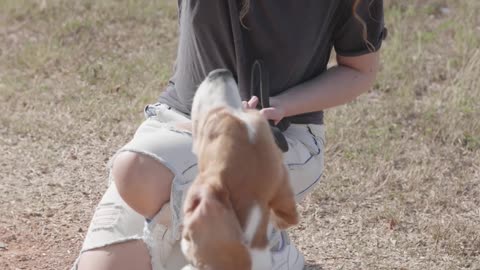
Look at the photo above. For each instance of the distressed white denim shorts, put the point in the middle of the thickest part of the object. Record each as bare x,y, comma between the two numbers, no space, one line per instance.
157,137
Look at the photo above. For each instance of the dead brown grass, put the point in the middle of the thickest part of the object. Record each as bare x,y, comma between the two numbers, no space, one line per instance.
402,182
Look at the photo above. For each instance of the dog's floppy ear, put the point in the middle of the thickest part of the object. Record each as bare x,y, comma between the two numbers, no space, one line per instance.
283,204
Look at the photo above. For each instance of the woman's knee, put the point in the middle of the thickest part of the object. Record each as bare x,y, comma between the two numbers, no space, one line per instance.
143,182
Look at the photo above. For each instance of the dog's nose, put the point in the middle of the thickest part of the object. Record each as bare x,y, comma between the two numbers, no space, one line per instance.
219,73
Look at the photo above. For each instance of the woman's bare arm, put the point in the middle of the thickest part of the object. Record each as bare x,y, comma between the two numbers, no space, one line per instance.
339,85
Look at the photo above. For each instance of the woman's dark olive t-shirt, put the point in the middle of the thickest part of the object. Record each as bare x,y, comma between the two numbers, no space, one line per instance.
294,39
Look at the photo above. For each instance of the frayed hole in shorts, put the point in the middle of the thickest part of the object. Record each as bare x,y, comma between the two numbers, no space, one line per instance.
106,216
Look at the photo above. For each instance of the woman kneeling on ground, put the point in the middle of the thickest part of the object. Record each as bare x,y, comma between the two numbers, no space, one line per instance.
136,224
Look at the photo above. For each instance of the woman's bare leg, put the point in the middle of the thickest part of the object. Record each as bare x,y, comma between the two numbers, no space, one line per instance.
142,182
123,256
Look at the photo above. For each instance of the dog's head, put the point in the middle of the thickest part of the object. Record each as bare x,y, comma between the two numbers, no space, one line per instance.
218,90
212,237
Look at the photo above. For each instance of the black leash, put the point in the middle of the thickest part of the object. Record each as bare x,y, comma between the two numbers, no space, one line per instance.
259,77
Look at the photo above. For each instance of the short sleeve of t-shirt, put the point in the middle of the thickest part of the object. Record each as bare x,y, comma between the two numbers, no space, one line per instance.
349,35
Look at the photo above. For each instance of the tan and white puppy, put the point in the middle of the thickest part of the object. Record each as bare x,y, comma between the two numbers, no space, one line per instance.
241,180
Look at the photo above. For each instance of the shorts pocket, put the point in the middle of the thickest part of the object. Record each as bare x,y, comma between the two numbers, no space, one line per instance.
318,132
303,145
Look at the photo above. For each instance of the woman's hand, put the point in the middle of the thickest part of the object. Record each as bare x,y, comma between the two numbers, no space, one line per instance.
274,112
251,104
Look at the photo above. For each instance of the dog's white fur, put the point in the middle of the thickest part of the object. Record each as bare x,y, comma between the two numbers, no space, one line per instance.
210,95
261,258
185,246
252,224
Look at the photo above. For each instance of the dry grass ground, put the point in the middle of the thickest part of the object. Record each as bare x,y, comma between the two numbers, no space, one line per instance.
402,182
